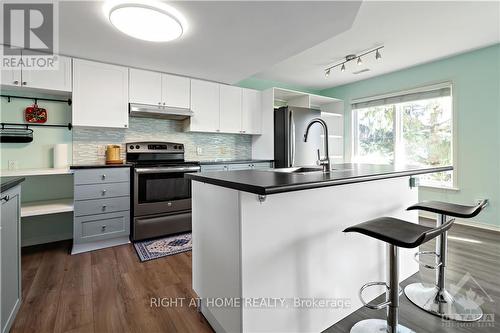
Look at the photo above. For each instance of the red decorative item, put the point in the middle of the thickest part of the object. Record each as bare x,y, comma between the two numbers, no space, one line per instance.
34,114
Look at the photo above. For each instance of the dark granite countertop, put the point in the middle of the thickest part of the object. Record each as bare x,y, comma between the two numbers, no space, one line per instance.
95,166
270,182
234,161
9,182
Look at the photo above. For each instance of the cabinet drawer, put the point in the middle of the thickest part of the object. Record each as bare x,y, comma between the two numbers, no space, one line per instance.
100,176
100,206
101,191
102,226
262,165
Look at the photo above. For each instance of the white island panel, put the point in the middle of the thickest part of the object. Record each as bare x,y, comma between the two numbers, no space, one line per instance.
292,246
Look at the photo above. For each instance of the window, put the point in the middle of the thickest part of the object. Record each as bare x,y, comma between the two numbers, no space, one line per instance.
414,128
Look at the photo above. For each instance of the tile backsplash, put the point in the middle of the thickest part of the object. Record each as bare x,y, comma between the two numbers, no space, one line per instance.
89,143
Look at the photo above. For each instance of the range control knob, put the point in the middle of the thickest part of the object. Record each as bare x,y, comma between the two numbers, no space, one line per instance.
137,147
131,146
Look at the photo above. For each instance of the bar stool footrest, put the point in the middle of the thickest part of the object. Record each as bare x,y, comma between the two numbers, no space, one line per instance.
375,306
417,255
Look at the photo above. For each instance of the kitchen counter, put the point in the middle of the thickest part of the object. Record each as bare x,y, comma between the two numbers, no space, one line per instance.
266,182
9,182
268,234
95,166
242,161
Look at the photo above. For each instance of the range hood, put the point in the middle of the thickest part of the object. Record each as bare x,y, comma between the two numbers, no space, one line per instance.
155,111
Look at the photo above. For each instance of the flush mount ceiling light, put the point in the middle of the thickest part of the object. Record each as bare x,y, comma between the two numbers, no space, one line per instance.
146,20
351,57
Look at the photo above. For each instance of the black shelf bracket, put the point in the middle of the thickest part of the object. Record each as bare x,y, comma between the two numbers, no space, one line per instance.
36,99
69,126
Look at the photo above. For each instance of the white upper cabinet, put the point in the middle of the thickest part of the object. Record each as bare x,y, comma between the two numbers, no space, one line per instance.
100,94
251,113
145,87
176,91
205,105
230,109
155,88
58,79
10,77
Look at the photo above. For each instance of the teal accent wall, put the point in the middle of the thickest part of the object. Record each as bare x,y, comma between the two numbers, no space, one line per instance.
476,93
39,154
258,84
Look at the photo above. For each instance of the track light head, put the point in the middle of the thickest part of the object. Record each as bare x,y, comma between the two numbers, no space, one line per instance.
342,68
359,62
327,72
378,56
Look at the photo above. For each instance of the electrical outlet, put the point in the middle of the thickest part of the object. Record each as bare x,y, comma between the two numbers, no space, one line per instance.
222,150
199,151
101,150
13,165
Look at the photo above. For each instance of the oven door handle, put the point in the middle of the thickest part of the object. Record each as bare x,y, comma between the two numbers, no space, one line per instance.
167,170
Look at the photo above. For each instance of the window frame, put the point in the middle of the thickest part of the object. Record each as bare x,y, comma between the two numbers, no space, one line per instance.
398,131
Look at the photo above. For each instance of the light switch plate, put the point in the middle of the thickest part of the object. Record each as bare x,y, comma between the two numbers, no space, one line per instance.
199,150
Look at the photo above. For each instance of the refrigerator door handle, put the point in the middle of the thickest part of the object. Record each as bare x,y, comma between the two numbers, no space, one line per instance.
292,124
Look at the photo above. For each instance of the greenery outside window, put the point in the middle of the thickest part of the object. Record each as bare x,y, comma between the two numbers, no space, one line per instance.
410,128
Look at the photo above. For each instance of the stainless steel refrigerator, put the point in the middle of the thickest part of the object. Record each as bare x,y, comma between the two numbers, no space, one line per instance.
289,147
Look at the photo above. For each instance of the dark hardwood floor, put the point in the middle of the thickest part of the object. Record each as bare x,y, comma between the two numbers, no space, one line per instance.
104,291
110,290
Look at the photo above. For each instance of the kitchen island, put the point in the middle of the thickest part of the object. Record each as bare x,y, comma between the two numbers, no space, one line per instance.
269,254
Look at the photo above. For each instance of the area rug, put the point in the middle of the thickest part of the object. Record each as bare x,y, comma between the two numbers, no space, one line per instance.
162,247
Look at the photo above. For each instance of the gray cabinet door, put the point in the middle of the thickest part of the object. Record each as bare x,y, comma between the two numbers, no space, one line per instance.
10,257
213,167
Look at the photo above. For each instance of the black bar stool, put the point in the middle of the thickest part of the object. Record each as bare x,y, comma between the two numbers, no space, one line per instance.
436,299
397,233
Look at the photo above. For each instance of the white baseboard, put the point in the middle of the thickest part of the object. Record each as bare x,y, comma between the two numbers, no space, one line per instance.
45,239
468,222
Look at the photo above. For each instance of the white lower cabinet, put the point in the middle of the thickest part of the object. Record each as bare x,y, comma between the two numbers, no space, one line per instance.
10,246
102,208
100,94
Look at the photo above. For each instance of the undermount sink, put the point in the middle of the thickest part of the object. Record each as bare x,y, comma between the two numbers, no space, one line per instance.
299,169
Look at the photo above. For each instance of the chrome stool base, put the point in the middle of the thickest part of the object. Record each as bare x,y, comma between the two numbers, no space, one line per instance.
376,326
457,308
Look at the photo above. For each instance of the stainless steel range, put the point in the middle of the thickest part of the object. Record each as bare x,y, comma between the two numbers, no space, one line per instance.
161,194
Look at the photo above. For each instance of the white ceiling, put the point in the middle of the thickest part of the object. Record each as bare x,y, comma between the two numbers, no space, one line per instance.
412,33
227,41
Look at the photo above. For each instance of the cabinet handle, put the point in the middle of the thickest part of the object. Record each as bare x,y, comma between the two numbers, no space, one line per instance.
159,103
103,228
103,177
103,192
25,83
103,207
16,82
163,103
5,198
217,130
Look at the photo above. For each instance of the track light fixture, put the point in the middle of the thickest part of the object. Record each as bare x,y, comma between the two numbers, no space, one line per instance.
351,57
